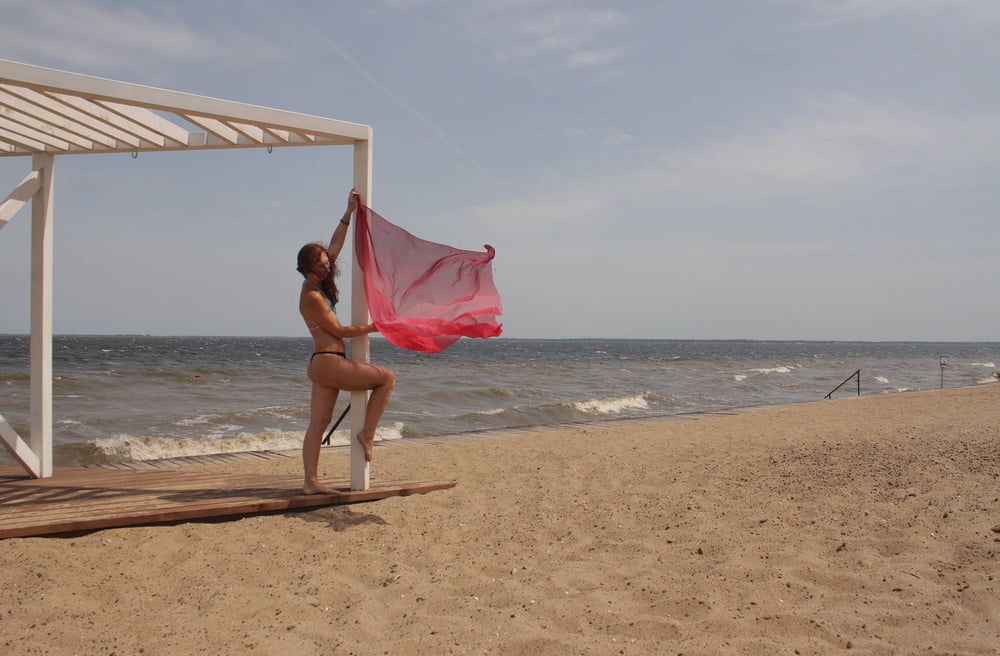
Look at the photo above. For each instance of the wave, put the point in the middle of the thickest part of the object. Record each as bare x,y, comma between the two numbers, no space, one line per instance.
462,394
780,369
611,406
228,421
989,379
983,364
881,379
150,447
549,413
739,377
494,411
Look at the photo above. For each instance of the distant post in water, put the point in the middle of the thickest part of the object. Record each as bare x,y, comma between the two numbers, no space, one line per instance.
944,363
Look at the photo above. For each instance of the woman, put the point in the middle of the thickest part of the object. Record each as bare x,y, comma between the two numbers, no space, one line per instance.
329,368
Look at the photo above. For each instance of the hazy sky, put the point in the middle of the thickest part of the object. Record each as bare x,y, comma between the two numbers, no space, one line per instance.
813,169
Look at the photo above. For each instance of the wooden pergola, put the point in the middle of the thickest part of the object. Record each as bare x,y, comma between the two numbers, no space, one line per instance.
46,112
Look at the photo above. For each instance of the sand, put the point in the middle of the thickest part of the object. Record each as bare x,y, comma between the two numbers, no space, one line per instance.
865,524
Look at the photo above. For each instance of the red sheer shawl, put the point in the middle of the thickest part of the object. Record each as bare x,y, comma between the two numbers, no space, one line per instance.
423,296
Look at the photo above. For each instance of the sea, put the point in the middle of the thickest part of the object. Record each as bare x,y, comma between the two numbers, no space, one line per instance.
122,398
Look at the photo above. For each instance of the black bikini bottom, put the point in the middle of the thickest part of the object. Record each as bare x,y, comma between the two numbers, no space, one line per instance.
340,353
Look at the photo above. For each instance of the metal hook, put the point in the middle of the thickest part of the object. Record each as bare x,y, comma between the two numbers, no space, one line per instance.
269,149
135,154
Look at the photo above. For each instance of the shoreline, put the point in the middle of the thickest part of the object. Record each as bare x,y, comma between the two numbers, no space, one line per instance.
869,525
513,431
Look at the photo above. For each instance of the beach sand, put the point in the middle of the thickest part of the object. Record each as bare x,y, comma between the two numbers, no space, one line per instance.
864,524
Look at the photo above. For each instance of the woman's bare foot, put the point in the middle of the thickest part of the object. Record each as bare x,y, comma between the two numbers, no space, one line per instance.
318,488
366,444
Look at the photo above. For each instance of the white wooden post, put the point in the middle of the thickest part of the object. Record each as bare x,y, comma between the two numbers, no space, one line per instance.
41,314
360,479
22,194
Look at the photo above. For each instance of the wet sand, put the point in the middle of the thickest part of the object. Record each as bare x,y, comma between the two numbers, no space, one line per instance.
865,524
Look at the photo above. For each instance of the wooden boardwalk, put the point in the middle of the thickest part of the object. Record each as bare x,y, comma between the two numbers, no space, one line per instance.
89,499
176,489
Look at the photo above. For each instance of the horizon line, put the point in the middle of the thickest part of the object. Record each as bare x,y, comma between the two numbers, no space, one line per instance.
553,339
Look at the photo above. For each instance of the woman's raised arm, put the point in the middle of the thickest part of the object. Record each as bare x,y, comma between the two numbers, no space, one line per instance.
340,232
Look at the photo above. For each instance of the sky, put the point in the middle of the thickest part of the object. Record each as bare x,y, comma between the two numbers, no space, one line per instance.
752,169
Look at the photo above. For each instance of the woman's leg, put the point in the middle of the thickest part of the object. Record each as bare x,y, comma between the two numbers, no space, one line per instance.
357,376
377,403
321,411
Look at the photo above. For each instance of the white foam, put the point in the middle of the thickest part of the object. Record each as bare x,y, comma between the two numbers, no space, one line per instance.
881,379
612,406
194,421
494,411
774,370
739,377
983,364
149,447
990,379
226,428
895,389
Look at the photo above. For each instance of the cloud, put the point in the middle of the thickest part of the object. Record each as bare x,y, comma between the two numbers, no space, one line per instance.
837,11
121,37
566,36
533,34
838,147
585,58
450,149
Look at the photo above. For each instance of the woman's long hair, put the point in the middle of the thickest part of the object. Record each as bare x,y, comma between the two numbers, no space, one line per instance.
308,257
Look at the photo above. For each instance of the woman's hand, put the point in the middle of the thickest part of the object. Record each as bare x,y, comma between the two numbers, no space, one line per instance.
371,328
352,201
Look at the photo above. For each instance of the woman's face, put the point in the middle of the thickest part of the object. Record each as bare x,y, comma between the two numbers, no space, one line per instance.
322,265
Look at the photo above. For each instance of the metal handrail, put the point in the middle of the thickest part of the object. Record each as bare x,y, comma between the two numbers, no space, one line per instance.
326,440
856,373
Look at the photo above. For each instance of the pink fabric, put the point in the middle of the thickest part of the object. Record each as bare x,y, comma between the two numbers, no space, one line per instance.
423,296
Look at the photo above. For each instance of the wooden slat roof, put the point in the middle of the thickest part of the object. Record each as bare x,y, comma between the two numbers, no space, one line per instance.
43,110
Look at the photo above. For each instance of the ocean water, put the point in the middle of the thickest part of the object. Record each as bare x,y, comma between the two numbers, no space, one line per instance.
133,397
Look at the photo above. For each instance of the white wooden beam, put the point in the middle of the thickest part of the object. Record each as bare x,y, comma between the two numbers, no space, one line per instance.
218,128
19,448
146,118
61,109
21,142
29,121
360,350
105,115
41,314
18,198
53,119
52,143
42,79
7,149
279,134
251,132
198,141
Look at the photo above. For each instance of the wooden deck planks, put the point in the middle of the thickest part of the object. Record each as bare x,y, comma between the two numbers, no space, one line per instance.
81,500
